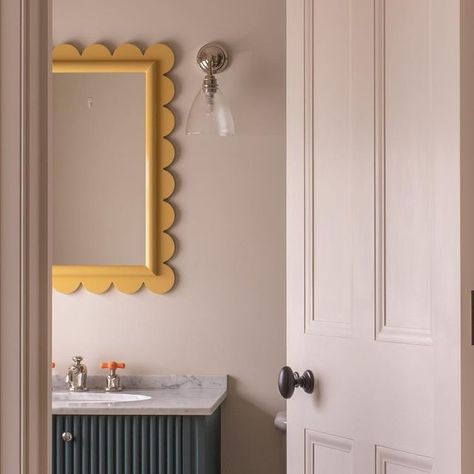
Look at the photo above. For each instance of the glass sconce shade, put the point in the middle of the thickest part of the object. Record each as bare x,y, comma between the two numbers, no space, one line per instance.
210,115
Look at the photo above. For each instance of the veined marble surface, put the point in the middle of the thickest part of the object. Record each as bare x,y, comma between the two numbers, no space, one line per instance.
169,395
97,382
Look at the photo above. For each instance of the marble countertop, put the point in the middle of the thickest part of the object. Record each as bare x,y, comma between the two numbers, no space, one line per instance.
169,395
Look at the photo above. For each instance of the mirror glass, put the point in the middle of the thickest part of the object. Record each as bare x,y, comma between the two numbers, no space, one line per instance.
99,192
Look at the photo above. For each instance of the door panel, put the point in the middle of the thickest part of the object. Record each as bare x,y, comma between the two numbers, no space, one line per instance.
327,453
405,190
330,166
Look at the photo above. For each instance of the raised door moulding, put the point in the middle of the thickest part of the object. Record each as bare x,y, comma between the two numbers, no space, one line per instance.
402,311
154,63
313,325
323,450
326,451
418,332
404,461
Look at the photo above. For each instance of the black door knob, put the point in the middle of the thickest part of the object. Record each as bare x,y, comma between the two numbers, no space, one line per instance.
289,380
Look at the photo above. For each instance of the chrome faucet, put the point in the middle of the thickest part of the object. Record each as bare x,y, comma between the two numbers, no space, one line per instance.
76,378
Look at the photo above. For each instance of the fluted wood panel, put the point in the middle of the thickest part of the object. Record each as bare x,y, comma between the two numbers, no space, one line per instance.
137,444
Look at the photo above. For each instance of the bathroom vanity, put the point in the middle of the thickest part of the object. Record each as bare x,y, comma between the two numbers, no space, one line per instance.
157,424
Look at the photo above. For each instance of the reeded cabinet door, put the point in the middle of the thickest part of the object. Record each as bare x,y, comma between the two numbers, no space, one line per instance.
373,308
131,444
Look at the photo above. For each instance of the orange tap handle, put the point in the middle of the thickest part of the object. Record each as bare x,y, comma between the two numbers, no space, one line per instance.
53,365
112,365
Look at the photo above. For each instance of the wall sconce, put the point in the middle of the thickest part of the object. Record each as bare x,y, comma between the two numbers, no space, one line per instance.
210,114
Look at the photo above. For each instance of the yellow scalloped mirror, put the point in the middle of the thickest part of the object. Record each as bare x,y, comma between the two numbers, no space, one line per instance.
111,184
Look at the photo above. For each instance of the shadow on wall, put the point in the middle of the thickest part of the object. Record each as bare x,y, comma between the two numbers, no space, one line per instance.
245,429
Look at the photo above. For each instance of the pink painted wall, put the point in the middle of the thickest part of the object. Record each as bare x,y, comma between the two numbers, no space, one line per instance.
226,314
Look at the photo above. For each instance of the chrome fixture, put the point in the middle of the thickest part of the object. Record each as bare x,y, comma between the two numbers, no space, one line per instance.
76,378
210,114
112,380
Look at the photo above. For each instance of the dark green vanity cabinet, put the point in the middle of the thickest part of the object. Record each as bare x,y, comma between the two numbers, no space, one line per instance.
134,444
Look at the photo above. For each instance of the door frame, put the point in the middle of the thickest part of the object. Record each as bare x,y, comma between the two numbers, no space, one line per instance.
25,280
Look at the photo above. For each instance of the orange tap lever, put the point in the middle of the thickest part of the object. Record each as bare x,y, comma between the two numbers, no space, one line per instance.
112,365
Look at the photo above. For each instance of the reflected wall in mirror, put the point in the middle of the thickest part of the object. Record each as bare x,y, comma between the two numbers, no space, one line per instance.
110,185
99,169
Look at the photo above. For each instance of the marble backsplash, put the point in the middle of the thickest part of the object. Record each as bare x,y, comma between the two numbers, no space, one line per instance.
167,382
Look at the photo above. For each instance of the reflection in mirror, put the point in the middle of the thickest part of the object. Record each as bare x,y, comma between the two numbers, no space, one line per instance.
99,180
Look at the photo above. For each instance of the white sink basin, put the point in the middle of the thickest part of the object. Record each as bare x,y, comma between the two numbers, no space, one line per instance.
97,397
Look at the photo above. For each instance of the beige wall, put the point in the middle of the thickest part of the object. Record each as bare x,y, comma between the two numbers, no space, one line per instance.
226,314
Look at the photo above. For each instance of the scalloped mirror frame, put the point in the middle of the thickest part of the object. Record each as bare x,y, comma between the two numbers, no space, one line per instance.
155,62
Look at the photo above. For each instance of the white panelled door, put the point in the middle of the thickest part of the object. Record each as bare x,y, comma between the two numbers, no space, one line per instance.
369,288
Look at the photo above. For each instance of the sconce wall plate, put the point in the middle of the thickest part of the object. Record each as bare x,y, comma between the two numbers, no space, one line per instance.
212,53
